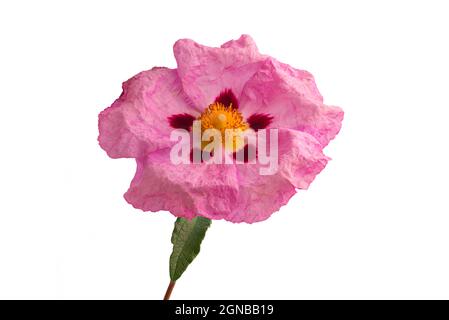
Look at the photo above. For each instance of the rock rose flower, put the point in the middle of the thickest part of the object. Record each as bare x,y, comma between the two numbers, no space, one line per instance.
233,86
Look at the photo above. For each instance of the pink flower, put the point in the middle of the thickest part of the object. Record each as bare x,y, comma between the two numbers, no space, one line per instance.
259,90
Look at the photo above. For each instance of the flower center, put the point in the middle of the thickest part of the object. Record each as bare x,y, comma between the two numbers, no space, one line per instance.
221,117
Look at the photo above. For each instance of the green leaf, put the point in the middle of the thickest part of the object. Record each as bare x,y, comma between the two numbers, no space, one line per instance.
186,238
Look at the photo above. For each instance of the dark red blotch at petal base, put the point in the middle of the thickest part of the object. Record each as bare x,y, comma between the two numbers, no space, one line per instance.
201,155
227,97
259,121
181,121
246,153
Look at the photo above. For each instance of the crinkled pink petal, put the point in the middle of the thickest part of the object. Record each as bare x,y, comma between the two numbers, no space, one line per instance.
186,190
207,71
136,123
300,160
301,157
259,195
237,193
292,98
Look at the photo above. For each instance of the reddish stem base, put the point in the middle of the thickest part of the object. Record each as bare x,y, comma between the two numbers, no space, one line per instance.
169,290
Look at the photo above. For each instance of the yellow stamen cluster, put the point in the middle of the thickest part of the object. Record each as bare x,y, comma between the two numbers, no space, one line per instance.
221,117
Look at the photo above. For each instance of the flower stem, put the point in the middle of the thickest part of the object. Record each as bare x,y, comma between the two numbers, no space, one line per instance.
169,290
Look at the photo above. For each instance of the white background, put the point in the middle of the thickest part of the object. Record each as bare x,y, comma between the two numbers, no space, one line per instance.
374,224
